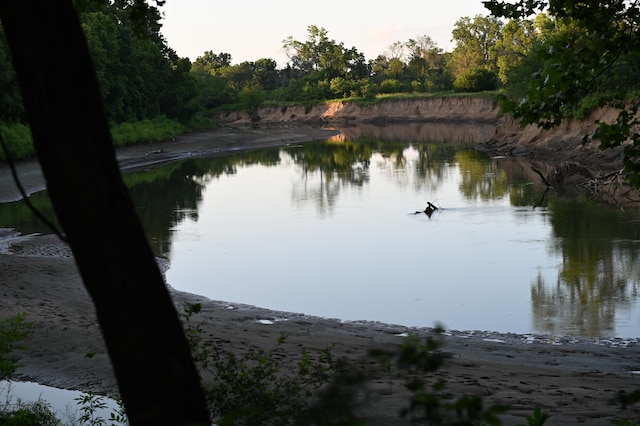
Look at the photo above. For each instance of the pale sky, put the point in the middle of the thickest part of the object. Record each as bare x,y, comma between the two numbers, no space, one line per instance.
254,29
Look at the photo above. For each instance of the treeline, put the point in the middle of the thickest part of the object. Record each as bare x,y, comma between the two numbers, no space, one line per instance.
140,76
490,54
148,91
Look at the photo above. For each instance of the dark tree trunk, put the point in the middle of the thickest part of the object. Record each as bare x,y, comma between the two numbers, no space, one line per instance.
158,381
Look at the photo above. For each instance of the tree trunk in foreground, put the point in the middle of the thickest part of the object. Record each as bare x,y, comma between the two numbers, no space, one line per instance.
158,381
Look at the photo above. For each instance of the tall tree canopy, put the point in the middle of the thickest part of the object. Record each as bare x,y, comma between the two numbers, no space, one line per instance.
322,55
475,43
157,378
583,58
140,76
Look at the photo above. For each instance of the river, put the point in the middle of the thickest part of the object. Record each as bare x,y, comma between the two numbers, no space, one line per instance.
337,229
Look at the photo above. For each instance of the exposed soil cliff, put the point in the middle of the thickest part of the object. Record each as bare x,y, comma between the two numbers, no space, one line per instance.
569,164
427,109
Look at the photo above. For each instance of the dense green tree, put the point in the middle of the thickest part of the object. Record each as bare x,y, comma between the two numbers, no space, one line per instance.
427,64
316,63
156,375
305,56
476,80
212,63
390,65
323,56
140,76
396,69
106,41
251,97
417,65
358,66
594,44
213,88
476,41
518,38
516,69
178,98
213,91
265,73
238,76
379,67
11,109
420,51
220,82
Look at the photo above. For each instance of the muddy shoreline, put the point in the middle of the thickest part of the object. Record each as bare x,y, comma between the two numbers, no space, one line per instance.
572,378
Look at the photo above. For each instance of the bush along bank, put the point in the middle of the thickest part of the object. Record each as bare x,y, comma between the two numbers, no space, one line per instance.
19,142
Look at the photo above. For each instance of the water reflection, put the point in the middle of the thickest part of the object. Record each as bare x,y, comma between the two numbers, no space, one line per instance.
598,275
501,254
458,133
324,169
480,179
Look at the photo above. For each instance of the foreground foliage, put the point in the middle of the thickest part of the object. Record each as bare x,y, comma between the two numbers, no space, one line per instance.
257,389
19,413
28,413
12,332
587,53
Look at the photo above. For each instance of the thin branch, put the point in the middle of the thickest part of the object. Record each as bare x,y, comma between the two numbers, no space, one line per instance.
541,176
25,197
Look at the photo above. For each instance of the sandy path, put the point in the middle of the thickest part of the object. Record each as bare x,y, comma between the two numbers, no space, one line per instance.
572,378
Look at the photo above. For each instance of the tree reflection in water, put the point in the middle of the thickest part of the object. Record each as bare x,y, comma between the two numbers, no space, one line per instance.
599,275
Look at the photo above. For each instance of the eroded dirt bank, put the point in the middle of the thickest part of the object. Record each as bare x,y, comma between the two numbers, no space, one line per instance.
427,109
571,166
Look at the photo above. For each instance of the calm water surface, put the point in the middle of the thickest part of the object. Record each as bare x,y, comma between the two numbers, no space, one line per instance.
329,229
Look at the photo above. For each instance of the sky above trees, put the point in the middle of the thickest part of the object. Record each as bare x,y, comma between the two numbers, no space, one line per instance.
254,29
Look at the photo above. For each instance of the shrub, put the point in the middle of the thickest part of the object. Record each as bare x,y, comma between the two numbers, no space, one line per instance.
256,389
18,140
391,86
90,404
20,413
12,331
341,87
158,129
37,413
476,80
251,98
369,91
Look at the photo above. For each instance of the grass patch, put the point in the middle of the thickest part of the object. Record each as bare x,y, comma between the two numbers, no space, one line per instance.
155,130
20,142
387,97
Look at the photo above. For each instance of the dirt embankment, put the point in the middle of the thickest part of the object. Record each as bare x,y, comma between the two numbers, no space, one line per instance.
566,163
569,164
427,109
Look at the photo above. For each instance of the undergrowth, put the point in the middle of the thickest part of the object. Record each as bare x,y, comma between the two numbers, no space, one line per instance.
264,387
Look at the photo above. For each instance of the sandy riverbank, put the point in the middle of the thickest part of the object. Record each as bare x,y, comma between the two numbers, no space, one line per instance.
572,378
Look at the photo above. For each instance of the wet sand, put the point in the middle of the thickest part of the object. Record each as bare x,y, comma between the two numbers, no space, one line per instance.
572,378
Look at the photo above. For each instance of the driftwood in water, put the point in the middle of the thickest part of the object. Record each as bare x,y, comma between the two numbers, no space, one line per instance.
429,210
541,176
